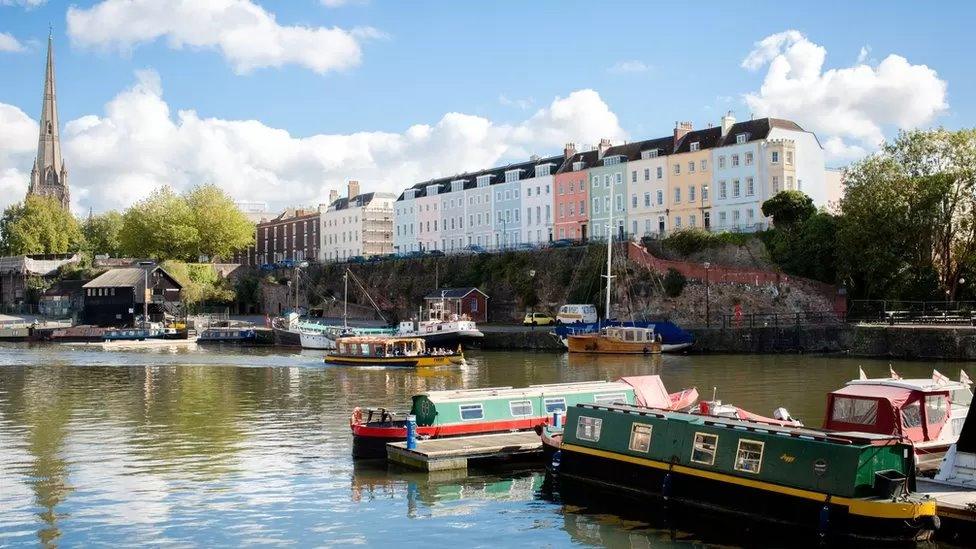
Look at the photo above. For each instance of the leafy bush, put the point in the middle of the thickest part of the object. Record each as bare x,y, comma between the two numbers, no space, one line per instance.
674,283
689,241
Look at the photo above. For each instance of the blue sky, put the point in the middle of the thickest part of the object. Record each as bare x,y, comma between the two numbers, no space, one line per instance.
650,63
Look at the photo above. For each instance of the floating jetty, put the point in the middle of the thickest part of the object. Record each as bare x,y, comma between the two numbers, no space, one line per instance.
133,344
454,453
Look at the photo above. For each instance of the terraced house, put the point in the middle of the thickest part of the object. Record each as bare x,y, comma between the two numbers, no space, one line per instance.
537,200
572,197
360,224
607,191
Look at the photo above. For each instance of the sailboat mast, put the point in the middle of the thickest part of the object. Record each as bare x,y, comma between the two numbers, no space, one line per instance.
345,300
606,312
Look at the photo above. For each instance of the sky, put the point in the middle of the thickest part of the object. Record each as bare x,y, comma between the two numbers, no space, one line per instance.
281,101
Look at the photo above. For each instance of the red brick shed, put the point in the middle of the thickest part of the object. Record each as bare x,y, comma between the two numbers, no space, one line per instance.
460,301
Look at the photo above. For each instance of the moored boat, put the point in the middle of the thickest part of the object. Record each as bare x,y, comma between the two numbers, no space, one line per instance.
226,334
835,485
927,413
391,351
462,412
617,340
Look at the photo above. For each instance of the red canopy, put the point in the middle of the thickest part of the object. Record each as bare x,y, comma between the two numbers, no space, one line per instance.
883,409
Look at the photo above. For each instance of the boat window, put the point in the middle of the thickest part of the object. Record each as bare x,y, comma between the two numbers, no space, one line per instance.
640,437
962,397
554,405
472,411
704,448
520,408
588,428
855,410
911,415
364,349
935,408
748,457
610,398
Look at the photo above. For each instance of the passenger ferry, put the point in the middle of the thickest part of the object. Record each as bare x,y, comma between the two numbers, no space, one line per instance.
391,351
830,485
926,413
500,409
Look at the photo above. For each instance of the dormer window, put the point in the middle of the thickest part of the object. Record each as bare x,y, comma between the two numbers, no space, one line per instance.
457,185
741,138
512,175
577,166
483,180
411,193
652,153
611,160
695,145
432,190
542,170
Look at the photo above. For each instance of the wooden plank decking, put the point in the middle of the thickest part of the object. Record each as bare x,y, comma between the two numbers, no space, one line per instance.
453,453
952,502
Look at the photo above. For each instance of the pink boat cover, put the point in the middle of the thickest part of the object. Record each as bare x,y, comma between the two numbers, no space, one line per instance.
650,391
899,411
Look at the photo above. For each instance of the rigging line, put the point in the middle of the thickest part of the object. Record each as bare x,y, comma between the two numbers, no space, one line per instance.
370,298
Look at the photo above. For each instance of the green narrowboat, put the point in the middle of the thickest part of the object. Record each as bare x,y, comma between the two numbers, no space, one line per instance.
497,409
834,484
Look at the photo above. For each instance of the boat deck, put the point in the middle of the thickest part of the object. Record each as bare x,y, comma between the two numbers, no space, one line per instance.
952,502
443,454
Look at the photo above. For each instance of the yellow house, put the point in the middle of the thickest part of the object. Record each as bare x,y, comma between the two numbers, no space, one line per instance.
689,177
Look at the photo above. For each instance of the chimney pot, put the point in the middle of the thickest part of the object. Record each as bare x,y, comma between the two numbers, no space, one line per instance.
352,189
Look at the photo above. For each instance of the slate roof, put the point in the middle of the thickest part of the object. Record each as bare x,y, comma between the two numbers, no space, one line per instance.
358,201
453,292
130,277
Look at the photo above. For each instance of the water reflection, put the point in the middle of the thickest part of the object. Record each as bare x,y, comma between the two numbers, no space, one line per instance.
224,446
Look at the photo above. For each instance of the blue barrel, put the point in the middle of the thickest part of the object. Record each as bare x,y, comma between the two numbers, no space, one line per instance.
411,432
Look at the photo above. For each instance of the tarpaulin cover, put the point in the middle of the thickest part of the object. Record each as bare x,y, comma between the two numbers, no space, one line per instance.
649,391
882,409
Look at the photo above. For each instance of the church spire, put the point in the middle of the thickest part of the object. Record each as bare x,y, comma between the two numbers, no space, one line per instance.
49,176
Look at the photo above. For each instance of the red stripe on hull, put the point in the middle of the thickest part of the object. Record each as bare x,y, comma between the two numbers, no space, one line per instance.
454,429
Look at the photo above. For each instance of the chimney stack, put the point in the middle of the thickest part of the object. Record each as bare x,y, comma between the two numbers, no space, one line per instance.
534,158
333,196
569,150
727,121
353,189
680,130
602,148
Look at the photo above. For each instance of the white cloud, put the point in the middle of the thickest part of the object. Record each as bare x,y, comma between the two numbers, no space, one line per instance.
524,104
245,33
28,4
631,66
10,44
862,56
138,143
850,107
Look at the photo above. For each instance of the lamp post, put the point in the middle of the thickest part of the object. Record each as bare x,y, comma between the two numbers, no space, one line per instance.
704,197
708,322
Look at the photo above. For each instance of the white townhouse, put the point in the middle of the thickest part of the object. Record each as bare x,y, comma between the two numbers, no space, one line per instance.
360,224
537,201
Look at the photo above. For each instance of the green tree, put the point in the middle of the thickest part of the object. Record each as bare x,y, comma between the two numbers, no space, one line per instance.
788,208
200,282
39,225
807,249
674,283
161,227
222,227
102,233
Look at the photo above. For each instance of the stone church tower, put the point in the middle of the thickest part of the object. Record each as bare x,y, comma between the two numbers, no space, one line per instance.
49,177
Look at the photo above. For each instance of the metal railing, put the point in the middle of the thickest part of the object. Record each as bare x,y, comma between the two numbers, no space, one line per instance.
912,312
780,320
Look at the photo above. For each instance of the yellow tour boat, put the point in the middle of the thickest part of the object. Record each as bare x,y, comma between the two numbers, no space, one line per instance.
391,351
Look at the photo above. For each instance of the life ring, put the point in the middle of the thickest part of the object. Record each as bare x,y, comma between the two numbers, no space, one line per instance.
357,416
430,329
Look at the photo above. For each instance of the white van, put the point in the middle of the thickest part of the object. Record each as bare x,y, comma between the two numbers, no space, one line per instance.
572,314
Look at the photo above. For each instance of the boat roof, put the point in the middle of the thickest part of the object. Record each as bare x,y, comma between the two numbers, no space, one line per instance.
530,391
380,339
836,437
926,385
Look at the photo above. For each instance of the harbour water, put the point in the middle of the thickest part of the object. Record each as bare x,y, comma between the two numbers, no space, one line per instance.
226,446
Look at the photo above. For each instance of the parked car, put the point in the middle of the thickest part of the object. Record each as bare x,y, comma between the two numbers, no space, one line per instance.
523,247
414,254
538,319
474,249
356,259
576,313
435,253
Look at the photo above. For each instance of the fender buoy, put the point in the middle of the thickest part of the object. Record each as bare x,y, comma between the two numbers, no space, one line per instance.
357,416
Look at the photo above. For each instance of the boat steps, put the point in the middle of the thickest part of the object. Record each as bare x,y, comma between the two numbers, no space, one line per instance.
453,453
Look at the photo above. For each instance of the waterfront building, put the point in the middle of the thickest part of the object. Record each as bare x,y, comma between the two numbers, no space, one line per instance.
428,218
571,196
291,236
689,176
506,205
477,199
537,200
405,220
646,183
118,297
49,176
458,301
453,210
359,224
607,191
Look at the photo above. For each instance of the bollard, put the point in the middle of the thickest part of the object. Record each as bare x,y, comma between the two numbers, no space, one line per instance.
411,432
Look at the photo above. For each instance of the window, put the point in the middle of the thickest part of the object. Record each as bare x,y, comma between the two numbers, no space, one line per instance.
789,157
735,160
775,157
596,205
619,178
606,181
620,202
723,189
633,176
606,204
611,160
610,398
647,174
741,138
722,218
562,210
633,202
471,412
936,408
750,214
520,408
647,199
542,170
660,172
691,193
911,415
704,192
677,168
721,162
588,428
703,450
660,198
695,146
691,167
528,191
649,154
577,166
775,184
640,438
511,175
750,187
735,216
735,188
704,165
596,181
554,405
789,182
677,222
748,159
677,195
861,411
748,456
692,221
